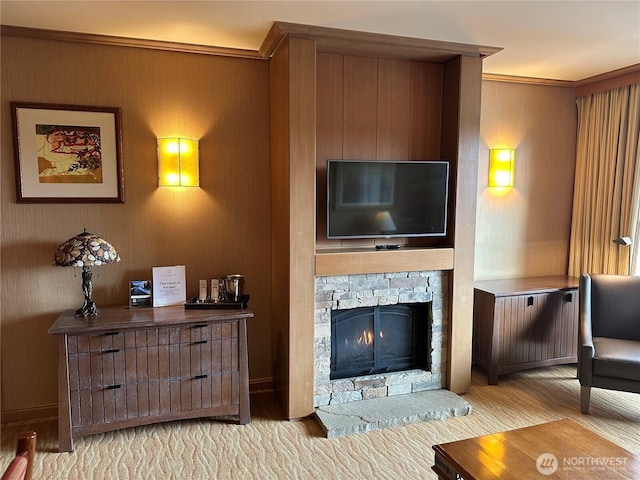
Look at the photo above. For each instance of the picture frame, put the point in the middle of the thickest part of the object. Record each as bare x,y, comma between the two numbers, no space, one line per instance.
67,153
140,293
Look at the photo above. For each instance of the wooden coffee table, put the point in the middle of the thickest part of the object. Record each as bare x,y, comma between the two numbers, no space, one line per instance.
560,450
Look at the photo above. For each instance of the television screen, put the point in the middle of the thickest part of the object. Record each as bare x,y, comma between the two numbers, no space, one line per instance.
385,199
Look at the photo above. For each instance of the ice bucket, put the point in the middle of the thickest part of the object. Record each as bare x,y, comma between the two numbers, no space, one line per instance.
233,285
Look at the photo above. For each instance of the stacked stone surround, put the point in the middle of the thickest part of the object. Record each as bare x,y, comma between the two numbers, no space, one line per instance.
367,290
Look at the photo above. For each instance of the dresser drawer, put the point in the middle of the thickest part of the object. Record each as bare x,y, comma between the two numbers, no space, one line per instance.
160,371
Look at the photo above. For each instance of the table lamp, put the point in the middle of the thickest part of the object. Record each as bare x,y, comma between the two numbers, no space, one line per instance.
85,250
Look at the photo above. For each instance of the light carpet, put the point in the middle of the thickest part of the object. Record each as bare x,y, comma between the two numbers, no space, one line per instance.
273,448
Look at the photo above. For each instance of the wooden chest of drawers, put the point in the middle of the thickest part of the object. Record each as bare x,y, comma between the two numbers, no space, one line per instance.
524,323
129,367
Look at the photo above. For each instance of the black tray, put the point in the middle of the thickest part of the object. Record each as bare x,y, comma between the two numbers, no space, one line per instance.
193,304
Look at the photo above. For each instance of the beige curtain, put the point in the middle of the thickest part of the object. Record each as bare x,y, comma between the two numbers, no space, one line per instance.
606,198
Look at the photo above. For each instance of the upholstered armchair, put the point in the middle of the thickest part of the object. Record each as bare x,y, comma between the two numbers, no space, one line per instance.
609,335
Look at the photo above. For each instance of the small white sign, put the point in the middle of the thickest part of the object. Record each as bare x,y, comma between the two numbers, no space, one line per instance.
169,286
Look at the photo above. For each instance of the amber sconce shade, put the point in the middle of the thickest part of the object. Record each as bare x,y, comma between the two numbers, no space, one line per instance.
502,167
178,161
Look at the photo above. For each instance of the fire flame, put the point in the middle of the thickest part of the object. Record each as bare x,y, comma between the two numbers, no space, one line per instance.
366,338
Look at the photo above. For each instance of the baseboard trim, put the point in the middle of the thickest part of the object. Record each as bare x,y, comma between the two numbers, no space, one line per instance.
29,414
261,385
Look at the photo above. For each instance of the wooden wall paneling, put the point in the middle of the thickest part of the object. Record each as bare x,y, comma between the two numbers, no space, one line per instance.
426,111
302,233
293,95
329,126
360,107
392,138
279,88
460,135
425,132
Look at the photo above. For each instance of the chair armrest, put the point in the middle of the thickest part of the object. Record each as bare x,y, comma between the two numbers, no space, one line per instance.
586,350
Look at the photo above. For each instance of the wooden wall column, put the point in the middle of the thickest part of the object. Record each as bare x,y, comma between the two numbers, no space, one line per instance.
460,141
293,165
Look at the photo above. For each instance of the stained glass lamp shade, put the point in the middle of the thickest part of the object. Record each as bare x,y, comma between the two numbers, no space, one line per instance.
86,250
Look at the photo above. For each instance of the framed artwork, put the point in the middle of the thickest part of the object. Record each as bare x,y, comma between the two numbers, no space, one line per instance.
67,153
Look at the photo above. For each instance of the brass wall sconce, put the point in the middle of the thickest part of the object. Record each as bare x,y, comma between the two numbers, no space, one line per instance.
178,162
502,167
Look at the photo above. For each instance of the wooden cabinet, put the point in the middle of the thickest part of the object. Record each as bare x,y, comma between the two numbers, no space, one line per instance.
129,367
524,323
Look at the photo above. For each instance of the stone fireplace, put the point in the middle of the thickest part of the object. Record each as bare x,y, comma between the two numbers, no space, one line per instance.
345,292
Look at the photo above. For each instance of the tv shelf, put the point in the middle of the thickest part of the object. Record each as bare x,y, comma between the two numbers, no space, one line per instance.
345,261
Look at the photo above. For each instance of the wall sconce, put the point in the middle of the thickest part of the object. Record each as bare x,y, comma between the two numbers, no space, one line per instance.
501,167
178,162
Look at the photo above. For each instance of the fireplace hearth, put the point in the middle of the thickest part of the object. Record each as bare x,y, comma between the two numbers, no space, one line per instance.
381,339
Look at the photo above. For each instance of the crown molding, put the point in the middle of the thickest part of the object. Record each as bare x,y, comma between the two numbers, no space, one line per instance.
354,42
527,80
43,34
346,42
608,81
597,83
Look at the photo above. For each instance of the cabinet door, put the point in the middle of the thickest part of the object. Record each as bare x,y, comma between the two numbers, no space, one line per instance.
511,321
537,327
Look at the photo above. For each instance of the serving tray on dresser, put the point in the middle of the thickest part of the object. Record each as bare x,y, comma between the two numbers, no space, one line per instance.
137,366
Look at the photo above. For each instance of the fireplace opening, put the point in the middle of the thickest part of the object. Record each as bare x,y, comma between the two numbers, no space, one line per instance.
389,338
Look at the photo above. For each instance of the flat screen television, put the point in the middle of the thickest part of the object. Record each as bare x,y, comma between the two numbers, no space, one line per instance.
386,199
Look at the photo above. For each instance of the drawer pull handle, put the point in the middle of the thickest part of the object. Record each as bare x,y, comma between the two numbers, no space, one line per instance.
112,350
199,342
568,297
200,325
197,377
113,387
529,301
110,333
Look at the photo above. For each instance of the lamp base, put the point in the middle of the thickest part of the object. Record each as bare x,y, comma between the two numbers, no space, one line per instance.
88,308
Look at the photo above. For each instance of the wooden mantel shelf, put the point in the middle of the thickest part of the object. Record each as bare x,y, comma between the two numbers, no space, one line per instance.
368,260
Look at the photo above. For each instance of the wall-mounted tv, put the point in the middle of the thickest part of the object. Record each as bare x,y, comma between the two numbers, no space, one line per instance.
385,199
